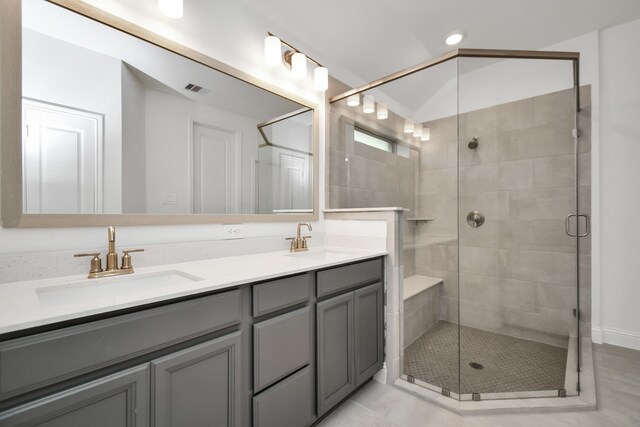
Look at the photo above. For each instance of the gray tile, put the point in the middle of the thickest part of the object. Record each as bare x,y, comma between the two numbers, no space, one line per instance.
554,107
483,261
443,206
559,171
486,151
542,203
480,122
435,154
543,141
515,174
485,236
545,267
438,181
478,178
493,205
515,115
351,414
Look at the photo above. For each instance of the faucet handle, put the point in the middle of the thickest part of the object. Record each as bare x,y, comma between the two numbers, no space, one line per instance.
294,243
96,262
126,259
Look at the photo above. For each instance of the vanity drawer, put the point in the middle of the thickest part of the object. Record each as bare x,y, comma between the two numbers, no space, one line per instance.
281,346
289,403
351,276
43,359
278,294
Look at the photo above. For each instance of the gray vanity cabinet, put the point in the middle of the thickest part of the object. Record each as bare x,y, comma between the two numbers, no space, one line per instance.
350,330
118,400
199,386
335,329
369,332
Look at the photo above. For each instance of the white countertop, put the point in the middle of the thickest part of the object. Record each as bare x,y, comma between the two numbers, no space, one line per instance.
29,304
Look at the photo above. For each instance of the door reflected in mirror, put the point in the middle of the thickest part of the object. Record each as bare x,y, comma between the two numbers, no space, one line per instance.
114,124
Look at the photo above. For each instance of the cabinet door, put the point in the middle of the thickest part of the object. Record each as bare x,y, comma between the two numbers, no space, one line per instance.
120,399
369,324
199,386
336,377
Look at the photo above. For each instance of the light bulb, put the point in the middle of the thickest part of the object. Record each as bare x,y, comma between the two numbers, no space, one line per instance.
171,8
417,130
408,126
426,134
272,51
383,111
368,104
321,79
299,66
353,100
454,38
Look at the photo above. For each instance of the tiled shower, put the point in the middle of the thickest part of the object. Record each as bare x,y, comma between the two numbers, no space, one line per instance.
489,312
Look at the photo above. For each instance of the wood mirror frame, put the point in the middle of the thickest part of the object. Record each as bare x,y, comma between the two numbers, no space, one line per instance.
11,138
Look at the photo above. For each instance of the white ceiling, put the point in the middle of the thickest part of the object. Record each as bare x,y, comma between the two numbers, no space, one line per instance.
362,40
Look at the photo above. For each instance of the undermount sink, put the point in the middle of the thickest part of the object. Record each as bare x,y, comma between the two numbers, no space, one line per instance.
91,289
320,254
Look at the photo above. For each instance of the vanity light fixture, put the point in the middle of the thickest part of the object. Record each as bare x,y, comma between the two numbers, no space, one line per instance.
353,100
383,111
408,126
426,134
417,130
298,65
368,104
454,38
171,8
295,60
272,51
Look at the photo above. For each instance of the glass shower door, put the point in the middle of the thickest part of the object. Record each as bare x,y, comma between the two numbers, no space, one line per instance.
518,265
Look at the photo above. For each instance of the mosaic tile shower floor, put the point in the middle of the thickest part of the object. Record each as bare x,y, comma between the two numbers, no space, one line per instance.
509,364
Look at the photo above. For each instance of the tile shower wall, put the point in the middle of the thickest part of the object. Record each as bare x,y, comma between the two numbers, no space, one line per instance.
360,176
518,271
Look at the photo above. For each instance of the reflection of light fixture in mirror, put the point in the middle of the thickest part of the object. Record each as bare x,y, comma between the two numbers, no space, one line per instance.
368,104
454,38
417,130
272,51
296,60
408,126
426,134
171,8
353,100
383,111
321,79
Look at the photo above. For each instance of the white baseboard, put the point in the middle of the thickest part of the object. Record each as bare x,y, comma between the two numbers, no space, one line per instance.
617,337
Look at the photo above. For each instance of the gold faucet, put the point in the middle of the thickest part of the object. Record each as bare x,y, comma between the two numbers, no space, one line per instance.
299,243
112,259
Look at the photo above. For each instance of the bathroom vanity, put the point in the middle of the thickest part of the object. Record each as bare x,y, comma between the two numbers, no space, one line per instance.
280,351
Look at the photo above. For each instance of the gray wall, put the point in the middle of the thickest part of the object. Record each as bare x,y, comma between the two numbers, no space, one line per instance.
517,271
361,176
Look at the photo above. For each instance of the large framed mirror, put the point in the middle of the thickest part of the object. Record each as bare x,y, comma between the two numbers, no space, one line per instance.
105,123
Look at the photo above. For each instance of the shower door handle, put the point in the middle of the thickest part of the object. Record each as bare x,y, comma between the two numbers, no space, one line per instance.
587,221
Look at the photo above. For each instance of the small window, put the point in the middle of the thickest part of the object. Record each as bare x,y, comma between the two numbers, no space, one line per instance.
373,140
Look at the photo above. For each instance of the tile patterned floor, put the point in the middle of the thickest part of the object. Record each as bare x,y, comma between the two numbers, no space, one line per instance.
617,375
509,364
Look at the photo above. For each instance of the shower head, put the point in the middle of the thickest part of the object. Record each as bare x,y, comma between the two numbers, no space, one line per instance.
473,144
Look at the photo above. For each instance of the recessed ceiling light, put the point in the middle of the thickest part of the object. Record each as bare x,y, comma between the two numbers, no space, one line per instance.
454,38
